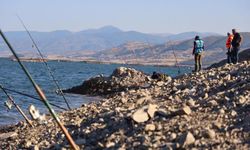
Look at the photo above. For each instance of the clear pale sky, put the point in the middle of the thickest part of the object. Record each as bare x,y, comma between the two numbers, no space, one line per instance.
149,16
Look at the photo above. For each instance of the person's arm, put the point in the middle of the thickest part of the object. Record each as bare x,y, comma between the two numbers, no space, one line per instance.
238,40
241,39
229,40
194,48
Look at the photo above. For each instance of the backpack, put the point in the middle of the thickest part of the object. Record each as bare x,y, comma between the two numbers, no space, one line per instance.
199,46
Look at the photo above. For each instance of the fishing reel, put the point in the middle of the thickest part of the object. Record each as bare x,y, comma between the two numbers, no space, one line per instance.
59,92
8,103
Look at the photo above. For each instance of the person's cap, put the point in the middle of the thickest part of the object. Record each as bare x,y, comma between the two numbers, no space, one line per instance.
197,37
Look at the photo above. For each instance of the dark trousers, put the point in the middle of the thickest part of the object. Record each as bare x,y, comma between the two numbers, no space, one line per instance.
197,58
229,56
234,55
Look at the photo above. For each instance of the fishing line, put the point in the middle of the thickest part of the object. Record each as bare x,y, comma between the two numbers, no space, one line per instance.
11,101
176,61
42,95
31,96
45,63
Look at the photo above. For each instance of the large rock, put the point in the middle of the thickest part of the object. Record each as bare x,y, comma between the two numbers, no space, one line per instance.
121,79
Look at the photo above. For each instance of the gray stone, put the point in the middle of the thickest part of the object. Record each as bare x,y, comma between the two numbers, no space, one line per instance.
185,111
110,144
173,136
124,100
140,116
222,111
140,101
233,113
150,127
36,147
152,108
191,102
205,96
160,83
174,89
80,141
186,139
212,103
210,133
242,100
8,135
28,144
217,124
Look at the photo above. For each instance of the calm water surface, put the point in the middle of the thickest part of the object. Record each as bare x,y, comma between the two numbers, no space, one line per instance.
68,74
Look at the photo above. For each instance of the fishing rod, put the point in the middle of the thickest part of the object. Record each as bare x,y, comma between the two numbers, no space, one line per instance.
136,59
45,63
31,96
17,107
176,61
41,94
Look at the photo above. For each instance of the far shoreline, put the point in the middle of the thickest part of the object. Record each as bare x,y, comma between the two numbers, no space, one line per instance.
88,61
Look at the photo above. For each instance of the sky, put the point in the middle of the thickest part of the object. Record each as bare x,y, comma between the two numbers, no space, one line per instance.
148,16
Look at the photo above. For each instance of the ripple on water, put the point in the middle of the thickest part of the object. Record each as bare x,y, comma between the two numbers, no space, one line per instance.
68,75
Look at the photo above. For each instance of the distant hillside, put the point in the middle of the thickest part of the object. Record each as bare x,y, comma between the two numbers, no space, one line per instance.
62,41
188,35
211,42
214,50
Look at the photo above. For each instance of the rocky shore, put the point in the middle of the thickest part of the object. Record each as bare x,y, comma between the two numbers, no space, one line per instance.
205,110
122,79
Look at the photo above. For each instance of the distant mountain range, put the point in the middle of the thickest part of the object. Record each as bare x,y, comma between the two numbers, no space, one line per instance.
138,51
62,41
110,44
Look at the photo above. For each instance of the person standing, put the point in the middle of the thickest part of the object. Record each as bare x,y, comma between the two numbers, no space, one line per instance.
197,52
228,46
236,42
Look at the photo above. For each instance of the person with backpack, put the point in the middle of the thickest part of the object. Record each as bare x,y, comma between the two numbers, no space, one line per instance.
236,42
197,52
229,47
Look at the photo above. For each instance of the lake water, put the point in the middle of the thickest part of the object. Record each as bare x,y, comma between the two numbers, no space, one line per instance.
68,74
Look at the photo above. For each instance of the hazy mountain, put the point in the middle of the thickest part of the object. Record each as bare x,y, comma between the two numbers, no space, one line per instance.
214,50
162,34
189,35
92,39
213,42
62,41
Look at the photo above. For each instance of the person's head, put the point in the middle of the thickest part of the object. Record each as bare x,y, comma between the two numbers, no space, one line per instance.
234,31
228,34
197,37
